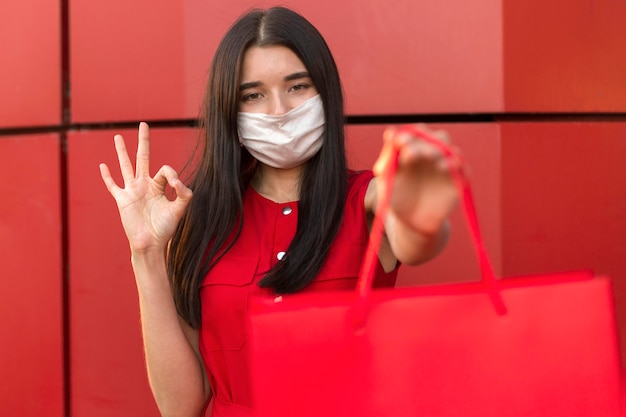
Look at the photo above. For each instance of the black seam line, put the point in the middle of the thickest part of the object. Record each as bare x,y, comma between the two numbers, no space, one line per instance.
350,120
175,123
65,272
452,118
65,118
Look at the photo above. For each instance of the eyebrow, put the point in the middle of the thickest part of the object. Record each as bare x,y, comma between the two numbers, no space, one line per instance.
297,76
290,77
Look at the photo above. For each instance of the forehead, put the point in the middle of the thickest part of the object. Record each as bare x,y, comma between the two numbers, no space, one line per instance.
264,62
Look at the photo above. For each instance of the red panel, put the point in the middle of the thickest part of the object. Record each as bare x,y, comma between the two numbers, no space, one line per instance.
31,345
128,60
132,62
564,201
480,145
415,56
564,55
108,371
30,72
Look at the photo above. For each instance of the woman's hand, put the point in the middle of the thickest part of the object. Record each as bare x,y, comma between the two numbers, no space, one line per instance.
148,217
424,194
422,199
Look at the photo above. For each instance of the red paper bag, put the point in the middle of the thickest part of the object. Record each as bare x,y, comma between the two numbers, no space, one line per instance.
542,345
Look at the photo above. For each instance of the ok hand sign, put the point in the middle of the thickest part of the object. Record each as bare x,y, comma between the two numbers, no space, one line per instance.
149,218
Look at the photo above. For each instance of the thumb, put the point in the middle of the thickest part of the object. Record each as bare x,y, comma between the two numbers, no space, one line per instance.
384,158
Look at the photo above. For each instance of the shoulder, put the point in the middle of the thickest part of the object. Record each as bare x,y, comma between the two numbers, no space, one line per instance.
361,186
358,187
358,181
359,177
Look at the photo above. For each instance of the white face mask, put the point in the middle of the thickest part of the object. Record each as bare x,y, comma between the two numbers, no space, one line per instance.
286,140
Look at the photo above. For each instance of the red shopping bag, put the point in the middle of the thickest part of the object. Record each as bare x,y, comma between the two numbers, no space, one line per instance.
542,345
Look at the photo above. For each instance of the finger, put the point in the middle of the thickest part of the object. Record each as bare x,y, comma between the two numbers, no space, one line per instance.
423,132
455,160
183,196
122,156
384,158
414,151
438,134
165,175
143,150
168,176
389,133
419,142
442,135
109,182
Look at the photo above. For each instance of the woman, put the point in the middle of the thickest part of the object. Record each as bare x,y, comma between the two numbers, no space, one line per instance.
274,210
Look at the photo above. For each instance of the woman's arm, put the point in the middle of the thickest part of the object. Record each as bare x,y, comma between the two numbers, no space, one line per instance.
149,219
175,370
423,196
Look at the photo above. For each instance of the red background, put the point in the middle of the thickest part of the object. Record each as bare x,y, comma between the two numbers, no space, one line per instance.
545,156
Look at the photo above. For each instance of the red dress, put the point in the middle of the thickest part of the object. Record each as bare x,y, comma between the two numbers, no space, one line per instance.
267,232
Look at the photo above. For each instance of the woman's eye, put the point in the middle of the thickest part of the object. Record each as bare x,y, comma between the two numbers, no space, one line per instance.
299,87
251,97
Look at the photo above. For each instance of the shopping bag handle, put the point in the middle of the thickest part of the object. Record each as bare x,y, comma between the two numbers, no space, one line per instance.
455,163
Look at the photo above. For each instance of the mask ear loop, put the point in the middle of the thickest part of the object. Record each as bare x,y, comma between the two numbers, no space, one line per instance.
387,167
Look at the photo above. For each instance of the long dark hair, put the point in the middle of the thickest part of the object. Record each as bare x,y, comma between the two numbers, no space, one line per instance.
224,169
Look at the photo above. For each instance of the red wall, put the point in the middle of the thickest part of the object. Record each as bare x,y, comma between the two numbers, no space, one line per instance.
563,199
30,73
105,345
547,181
31,297
564,56
31,336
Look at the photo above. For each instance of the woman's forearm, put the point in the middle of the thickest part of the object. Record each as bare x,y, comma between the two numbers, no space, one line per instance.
412,247
174,368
